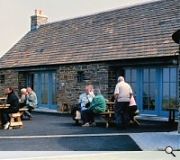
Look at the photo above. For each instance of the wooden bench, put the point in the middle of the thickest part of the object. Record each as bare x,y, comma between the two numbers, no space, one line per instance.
171,118
135,118
15,120
108,116
3,106
65,107
22,110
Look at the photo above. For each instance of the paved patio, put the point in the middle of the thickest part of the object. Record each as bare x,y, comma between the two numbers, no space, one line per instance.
57,132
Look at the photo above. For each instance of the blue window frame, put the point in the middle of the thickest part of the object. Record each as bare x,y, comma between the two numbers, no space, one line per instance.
131,77
155,88
149,89
169,88
44,84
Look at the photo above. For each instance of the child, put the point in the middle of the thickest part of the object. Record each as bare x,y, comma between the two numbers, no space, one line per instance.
132,108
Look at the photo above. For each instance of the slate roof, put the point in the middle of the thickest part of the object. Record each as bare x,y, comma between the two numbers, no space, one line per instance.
135,32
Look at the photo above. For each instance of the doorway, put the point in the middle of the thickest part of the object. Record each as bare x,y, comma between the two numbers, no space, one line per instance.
44,84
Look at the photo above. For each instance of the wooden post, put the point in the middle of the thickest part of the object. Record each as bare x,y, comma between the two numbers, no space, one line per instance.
178,89
176,38
179,121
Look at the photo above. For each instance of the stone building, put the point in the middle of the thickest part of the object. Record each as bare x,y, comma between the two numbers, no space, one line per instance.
58,59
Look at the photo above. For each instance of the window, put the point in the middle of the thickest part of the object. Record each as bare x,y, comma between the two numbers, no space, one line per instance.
80,76
149,88
44,83
2,79
169,88
130,77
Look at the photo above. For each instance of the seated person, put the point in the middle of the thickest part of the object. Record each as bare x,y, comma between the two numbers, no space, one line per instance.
23,98
98,105
13,100
86,98
84,102
31,102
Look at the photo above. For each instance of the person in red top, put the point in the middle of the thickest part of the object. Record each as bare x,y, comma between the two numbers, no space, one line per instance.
132,108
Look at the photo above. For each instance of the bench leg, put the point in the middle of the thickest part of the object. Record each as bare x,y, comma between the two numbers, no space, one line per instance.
15,121
171,116
136,121
107,124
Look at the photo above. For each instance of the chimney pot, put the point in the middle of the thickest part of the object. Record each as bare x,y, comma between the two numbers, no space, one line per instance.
38,19
38,12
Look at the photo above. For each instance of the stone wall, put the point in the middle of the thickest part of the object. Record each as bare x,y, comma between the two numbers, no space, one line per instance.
22,79
112,80
69,88
11,80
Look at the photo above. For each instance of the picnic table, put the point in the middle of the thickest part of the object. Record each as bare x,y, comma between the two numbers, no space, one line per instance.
108,115
3,105
15,118
172,111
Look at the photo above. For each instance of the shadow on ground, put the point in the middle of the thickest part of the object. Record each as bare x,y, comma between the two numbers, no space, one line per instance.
55,124
64,135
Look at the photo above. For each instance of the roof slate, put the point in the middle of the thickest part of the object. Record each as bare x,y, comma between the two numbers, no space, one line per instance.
135,32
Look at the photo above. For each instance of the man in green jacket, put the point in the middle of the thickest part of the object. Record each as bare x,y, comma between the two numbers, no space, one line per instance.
98,105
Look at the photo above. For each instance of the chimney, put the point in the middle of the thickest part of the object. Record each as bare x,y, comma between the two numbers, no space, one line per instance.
38,19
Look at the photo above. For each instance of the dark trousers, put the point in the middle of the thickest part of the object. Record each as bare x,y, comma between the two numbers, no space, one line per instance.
87,116
21,105
132,112
5,114
29,111
74,109
121,114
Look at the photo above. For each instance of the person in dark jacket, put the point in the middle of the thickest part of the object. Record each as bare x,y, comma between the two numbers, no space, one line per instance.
13,100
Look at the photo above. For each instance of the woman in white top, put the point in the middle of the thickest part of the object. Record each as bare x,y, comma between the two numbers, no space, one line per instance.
23,98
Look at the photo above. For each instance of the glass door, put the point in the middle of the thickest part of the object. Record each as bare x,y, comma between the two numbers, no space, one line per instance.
169,88
155,89
149,88
44,84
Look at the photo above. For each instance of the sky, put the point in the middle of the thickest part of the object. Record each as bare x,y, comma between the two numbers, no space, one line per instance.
15,14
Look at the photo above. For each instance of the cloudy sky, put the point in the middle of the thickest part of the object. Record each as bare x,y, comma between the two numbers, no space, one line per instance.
15,14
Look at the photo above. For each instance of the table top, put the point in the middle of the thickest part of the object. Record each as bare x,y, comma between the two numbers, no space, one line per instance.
3,98
110,102
4,106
